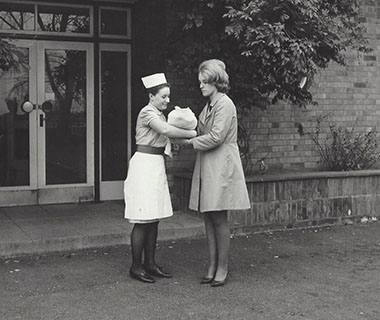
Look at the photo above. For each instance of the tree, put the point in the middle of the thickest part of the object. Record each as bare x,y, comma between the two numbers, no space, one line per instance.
8,55
268,45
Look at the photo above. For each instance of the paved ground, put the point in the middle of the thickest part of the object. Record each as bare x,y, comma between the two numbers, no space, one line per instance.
60,227
327,274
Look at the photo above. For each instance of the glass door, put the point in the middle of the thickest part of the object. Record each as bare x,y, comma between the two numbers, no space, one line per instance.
18,130
46,148
115,119
65,121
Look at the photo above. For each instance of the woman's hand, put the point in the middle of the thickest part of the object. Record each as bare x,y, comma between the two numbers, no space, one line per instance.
181,141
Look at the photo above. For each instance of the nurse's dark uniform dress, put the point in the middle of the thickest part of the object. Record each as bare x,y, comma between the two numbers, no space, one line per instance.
146,191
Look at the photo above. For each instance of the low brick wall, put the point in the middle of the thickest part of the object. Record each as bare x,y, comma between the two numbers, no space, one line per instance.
299,200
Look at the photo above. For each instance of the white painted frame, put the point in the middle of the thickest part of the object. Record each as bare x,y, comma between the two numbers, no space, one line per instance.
113,190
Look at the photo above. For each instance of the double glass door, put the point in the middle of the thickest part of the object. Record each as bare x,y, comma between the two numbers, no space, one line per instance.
46,124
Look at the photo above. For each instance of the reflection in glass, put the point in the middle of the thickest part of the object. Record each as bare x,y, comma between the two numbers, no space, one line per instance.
114,22
14,124
65,89
16,16
114,115
63,19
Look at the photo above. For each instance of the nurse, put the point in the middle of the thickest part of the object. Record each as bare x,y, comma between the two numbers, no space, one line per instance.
146,191
218,183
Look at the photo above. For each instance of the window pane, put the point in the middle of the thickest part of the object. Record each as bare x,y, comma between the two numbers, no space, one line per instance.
65,89
114,115
14,123
63,19
114,22
16,17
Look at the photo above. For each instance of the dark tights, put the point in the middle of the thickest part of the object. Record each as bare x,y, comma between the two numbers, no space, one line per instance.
144,239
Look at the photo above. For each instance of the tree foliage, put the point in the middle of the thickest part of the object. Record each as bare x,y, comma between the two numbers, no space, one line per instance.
9,56
268,45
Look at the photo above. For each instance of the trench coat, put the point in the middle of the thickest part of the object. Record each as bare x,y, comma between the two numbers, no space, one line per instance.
218,179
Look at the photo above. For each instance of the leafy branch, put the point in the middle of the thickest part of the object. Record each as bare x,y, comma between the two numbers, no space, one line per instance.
268,45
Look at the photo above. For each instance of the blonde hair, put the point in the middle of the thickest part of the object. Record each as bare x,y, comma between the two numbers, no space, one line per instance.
214,71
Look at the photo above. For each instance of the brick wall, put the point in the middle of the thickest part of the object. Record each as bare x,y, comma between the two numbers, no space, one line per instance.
300,200
349,93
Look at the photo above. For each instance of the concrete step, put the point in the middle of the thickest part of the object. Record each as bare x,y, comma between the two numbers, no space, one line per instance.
66,227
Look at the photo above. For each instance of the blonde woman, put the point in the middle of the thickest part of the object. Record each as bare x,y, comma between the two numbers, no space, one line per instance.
218,182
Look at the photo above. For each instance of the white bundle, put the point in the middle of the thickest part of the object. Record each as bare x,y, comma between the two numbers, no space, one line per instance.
182,118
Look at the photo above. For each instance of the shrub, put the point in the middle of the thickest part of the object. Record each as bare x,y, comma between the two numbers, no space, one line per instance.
344,149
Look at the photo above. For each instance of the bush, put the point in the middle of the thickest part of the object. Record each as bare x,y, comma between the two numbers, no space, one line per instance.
344,150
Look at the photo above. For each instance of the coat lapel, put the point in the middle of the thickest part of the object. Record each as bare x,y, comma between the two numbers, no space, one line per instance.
212,105
208,112
203,116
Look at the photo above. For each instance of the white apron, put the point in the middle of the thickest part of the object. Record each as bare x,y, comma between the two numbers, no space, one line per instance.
146,190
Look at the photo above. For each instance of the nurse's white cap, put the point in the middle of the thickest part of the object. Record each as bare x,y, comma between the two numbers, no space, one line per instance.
154,80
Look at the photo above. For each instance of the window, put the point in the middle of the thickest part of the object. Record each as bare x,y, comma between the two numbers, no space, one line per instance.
17,17
115,22
42,18
63,19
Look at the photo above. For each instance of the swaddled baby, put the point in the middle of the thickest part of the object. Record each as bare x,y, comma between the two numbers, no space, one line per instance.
182,118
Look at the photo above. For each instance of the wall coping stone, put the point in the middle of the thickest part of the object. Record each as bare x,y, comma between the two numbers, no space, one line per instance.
301,175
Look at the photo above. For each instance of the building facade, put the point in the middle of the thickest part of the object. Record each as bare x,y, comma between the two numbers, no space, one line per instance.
79,69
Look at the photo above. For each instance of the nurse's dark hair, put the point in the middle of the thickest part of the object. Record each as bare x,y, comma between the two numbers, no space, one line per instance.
154,90
214,70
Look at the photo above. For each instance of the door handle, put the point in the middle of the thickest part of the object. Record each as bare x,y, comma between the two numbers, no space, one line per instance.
28,106
42,118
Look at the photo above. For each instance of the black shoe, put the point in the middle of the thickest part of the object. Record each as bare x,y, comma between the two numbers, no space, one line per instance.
206,280
216,283
141,276
219,283
158,272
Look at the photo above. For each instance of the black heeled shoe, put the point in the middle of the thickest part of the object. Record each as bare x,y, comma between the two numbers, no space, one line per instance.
141,276
158,272
219,283
206,280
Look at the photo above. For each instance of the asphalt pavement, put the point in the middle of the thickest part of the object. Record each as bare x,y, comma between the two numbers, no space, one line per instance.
328,274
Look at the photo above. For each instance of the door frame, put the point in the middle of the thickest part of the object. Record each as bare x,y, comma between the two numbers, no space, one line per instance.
113,190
